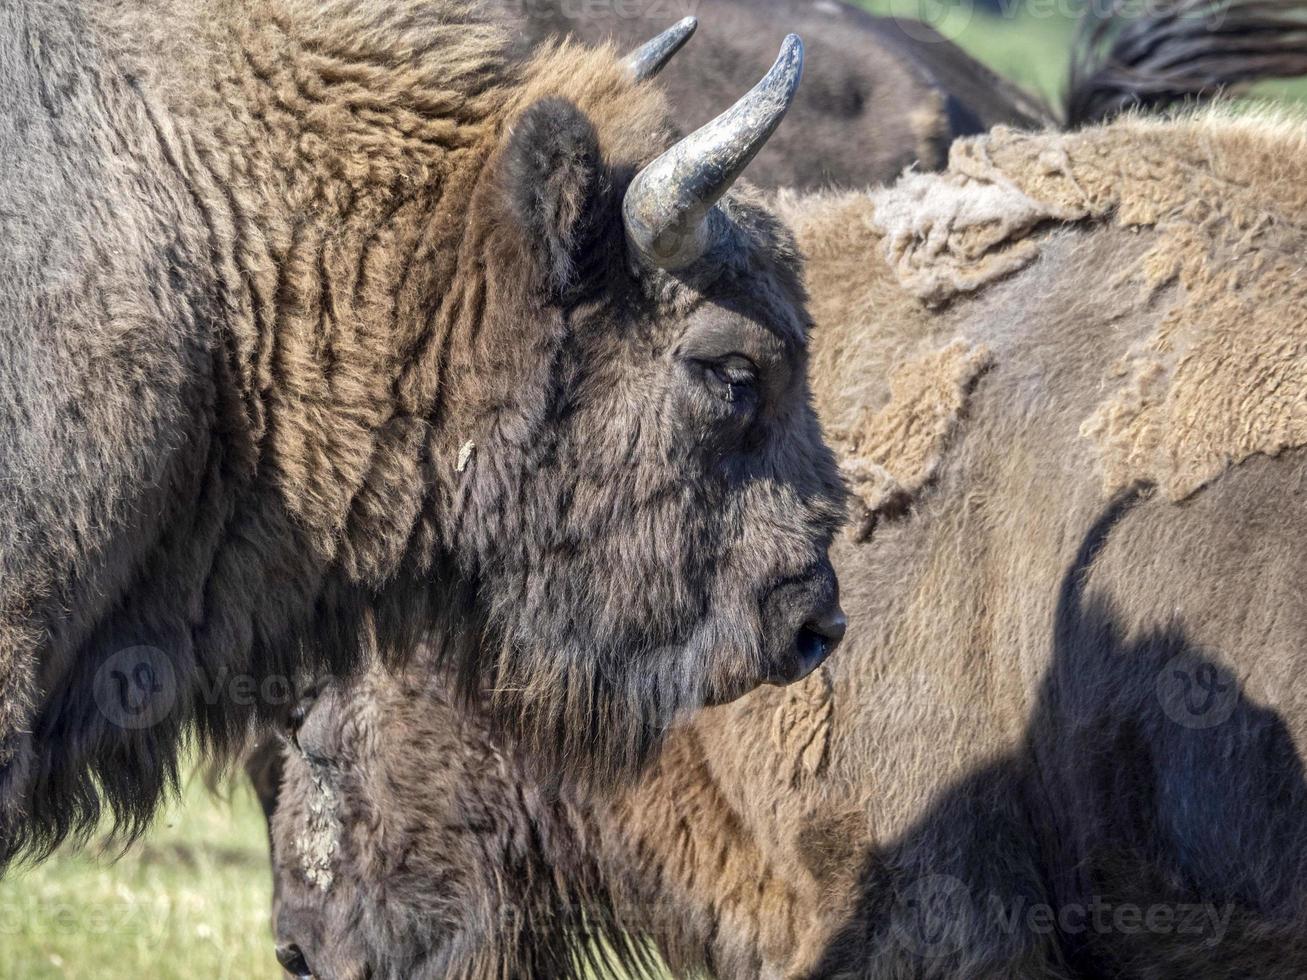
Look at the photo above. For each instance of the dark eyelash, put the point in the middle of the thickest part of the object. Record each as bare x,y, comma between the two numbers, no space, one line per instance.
736,379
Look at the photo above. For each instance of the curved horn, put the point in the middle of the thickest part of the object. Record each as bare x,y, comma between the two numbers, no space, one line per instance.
668,209
648,59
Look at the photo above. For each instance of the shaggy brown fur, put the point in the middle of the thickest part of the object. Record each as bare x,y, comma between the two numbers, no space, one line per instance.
1118,63
1066,740
268,270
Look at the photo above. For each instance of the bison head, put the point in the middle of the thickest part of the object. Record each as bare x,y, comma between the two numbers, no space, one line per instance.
405,844
642,494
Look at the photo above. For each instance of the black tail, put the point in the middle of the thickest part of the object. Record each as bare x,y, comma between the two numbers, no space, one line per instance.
1177,51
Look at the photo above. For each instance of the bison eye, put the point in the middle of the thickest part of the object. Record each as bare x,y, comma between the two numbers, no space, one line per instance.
733,378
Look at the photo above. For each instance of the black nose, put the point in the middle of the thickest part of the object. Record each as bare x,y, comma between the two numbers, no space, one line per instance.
816,640
819,637
293,962
830,626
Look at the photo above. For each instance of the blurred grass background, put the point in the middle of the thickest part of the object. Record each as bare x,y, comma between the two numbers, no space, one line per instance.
1030,42
192,899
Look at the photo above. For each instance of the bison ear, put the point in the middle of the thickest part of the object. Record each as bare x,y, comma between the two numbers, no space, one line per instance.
552,176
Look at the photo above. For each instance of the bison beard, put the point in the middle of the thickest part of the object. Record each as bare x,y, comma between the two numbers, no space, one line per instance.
325,334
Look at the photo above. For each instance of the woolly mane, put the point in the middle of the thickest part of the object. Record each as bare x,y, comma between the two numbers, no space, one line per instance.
317,163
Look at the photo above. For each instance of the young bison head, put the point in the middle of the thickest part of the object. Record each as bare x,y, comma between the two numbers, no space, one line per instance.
642,494
405,843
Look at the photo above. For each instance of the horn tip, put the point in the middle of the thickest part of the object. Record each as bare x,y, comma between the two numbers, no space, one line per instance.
649,59
790,60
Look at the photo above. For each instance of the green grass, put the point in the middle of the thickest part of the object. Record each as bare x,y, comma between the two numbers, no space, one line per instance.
190,900
1030,42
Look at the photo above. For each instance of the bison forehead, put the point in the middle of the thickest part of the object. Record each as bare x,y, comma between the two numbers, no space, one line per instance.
317,839
761,273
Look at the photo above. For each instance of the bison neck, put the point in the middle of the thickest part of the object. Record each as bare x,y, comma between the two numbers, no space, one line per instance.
288,207
333,162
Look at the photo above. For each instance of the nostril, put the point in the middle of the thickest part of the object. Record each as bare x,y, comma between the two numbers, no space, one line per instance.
831,625
817,640
293,962
813,649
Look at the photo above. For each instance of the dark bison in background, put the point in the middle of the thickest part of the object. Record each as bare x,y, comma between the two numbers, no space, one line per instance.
878,95
325,327
881,94
1066,379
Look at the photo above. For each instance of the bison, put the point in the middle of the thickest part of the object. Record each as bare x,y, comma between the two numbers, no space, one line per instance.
1066,378
326,329
881,94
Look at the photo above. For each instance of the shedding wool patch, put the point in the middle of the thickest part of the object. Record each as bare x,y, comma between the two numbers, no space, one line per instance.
1224,376
953,233
891,453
